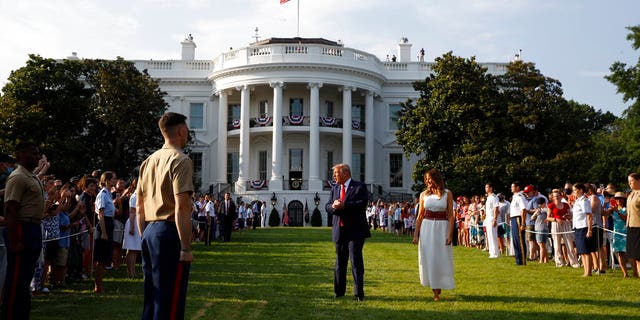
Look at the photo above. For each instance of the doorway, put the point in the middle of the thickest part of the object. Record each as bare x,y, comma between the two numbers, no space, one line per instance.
296,213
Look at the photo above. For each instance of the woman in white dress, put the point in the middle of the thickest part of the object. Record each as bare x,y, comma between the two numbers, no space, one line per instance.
433,234
132,240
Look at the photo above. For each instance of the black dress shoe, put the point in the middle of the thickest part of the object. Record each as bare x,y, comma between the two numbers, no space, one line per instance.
338,296
360,299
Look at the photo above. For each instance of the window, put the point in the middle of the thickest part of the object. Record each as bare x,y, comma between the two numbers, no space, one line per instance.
233,161
395,170
263,107
329,165
394,113
196,158
234,112
328,108
262,165
295,159
357,112
357,166
196,115
295,107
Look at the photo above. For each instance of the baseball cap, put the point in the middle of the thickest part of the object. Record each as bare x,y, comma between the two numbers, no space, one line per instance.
529,188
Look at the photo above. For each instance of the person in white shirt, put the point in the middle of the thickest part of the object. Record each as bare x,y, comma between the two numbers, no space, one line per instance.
490,221
501,217
517,213
263,215
210,214
582,224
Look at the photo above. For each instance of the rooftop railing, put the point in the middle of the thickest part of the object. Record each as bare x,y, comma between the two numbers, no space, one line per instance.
295,53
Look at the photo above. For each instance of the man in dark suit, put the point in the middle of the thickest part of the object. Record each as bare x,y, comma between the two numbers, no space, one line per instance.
228,214
348,204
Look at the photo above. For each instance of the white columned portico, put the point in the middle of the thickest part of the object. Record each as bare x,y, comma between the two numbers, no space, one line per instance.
275,184
243,170
347,139
314,137
369,136
223,111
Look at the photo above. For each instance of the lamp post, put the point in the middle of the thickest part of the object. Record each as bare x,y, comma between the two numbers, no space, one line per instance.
274,200
316,199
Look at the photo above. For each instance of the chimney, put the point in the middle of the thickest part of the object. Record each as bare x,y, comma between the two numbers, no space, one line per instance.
404,50
73,56
188,48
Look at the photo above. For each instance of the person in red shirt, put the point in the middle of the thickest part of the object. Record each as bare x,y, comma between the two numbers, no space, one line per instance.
561,230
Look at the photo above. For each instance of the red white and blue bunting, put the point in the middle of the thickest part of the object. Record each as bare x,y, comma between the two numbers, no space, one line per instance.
258,184
296,120
235,123
331,183
328,121
263,121
355,124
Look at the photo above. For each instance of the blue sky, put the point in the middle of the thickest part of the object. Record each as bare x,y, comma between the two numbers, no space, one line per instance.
572,41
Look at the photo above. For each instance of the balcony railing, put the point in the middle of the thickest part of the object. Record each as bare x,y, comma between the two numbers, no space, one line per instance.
293,121
288,52
288,184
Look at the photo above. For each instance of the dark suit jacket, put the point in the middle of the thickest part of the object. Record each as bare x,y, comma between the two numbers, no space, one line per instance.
227,217
354,217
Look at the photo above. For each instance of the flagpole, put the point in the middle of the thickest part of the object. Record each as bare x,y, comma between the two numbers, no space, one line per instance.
298,34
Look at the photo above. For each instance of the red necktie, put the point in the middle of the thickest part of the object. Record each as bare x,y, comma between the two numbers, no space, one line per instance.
342,194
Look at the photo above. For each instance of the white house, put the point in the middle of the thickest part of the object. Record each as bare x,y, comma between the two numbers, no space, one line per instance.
272,118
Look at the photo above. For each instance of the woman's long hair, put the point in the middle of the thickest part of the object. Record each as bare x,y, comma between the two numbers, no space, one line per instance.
437,177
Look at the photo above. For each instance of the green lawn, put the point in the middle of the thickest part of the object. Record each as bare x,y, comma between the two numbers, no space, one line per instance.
287,273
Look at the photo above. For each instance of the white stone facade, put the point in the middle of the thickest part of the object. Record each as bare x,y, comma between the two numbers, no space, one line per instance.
270,118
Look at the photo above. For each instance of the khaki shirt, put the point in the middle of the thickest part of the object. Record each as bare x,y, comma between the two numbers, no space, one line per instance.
163,174
633,209
26,189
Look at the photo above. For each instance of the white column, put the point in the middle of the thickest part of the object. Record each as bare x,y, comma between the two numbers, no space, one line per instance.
346,125
368,135
315,184
223,111
243,172
275,184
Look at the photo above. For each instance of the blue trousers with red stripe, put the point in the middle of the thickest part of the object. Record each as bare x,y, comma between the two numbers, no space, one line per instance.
165,277
20,268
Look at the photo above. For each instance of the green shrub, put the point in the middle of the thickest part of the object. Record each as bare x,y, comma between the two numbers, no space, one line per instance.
316,218
274,218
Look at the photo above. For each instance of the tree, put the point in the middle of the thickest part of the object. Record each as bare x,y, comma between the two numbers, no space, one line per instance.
85,114
45,102
626,135
477,128
449,116
551,136
125,109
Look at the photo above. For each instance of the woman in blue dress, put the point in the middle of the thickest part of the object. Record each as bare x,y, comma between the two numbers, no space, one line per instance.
619,216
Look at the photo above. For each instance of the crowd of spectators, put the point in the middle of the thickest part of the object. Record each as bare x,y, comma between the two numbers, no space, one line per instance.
550,231
71,219
71,226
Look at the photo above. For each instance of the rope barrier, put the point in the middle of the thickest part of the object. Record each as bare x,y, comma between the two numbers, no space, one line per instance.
478,226
69,236
81,232
567,232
